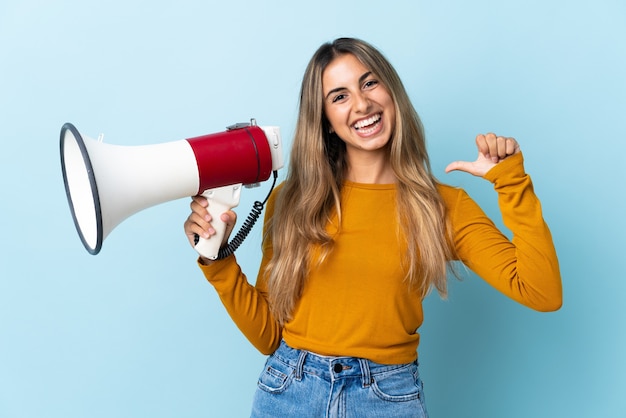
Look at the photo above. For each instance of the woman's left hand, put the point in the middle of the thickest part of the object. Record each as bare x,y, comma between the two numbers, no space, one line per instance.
491,150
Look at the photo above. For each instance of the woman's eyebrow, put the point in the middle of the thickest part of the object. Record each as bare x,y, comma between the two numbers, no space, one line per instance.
364,76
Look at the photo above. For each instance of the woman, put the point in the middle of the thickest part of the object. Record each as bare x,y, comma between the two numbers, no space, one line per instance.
358,234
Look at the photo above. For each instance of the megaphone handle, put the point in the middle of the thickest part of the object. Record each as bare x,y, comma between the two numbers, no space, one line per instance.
221,199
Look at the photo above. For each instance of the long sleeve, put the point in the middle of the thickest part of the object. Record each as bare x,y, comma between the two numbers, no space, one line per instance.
246,304
524,268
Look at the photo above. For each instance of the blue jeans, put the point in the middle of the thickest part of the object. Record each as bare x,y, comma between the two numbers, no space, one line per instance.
297,383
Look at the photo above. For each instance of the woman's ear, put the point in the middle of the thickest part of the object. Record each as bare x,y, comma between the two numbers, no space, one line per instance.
326,125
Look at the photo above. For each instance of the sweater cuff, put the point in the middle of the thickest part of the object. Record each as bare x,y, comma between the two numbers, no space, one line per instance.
219,270
507,170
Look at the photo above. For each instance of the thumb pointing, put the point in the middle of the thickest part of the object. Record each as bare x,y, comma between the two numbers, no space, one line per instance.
458,165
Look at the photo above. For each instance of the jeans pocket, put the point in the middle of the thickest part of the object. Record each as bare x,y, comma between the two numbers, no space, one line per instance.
400,385
276,376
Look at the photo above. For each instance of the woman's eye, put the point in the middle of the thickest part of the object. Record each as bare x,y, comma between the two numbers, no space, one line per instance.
339,98
370,84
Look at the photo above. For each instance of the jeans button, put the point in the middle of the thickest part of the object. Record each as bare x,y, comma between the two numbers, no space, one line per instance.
338,368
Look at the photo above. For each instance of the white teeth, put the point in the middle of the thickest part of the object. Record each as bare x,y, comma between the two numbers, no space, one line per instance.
366,122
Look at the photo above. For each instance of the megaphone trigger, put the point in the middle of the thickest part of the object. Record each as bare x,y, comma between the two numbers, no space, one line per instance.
221,199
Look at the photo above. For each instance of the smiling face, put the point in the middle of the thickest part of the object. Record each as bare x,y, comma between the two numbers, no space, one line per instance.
358,107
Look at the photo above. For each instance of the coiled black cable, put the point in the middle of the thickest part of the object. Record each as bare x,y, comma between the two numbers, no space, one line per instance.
248,224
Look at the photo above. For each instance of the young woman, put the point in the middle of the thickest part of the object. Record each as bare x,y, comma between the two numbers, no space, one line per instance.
356,236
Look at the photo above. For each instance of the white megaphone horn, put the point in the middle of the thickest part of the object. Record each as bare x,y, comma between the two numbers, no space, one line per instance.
106,183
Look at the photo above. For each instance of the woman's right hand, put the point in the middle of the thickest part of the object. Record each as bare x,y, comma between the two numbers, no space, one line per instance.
199,223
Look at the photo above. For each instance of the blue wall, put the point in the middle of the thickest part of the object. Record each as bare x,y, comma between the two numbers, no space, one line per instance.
136,331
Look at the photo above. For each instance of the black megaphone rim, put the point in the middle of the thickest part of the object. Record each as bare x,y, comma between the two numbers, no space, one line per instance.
92,182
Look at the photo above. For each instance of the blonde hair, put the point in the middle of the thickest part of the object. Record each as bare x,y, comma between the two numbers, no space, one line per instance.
311,191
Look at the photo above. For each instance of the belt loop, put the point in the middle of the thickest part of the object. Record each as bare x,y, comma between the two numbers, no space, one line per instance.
300,364
366,376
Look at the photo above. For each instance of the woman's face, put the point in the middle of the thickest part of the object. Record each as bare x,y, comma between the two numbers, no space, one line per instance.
358,107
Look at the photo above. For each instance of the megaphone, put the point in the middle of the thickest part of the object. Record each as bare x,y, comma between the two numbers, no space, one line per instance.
106,183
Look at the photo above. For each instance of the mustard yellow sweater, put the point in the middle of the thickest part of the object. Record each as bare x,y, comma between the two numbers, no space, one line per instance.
357,302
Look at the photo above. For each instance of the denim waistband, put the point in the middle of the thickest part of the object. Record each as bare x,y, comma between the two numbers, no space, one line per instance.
333,368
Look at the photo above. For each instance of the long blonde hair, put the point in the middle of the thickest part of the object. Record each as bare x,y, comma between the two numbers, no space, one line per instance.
311,191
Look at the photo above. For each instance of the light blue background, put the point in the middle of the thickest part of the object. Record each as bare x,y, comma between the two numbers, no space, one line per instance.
136,331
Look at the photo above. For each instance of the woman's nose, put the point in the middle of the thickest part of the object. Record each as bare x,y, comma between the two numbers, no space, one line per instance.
361,103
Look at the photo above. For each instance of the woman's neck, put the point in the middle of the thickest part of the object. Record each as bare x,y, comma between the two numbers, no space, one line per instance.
370,170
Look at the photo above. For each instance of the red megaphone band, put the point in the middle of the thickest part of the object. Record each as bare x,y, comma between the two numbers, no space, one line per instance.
237,156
